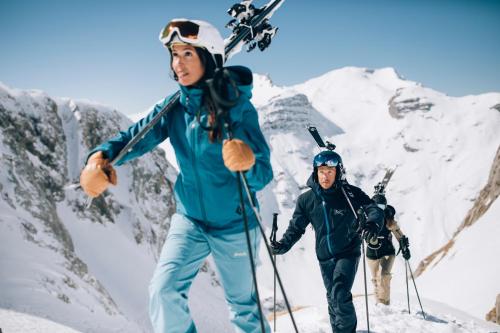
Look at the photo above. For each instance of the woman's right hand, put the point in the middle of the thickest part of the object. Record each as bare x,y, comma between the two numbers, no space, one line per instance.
237,155
97,175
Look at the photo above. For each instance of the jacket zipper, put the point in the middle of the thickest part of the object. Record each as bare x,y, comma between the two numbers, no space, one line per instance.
194,143
327,228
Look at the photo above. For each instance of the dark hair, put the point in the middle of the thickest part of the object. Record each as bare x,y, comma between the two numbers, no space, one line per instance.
207,62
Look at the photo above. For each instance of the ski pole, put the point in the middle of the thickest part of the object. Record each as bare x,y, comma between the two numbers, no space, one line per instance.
366,288
252,263
268,248
407,291
272,238
415,285
364,260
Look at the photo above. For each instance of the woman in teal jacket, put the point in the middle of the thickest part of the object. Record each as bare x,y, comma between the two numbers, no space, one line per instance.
208,219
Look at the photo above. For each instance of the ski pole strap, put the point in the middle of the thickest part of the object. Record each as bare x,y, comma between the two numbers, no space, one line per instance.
272,238
218,87
359,220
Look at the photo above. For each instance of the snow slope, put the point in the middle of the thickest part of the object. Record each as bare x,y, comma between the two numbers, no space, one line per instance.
12,321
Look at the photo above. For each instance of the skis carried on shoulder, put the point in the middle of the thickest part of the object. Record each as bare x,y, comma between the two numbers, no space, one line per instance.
251,26
315,134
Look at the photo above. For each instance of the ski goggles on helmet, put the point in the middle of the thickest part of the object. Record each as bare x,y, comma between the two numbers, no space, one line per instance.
330,160
186,30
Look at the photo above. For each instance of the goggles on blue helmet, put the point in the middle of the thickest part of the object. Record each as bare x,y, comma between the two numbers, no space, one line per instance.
324,159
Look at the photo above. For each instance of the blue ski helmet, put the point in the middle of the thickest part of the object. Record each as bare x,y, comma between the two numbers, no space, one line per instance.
331,159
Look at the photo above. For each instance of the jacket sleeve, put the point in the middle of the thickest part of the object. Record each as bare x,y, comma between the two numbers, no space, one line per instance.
248,130
155,136
298,224
373,212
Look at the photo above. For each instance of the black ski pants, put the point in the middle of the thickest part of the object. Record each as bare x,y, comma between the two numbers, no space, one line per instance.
338,277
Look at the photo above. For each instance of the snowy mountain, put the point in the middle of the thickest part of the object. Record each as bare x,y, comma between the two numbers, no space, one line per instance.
444,190
85,268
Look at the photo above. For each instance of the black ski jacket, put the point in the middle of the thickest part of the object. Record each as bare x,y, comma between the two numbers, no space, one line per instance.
332,219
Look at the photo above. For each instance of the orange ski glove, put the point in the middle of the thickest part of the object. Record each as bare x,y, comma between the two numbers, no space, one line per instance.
237,155
97,175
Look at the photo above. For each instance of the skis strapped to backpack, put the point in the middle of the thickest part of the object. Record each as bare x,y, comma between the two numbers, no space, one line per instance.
380,187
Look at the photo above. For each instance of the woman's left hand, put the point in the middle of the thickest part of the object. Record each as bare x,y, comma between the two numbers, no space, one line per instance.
237,155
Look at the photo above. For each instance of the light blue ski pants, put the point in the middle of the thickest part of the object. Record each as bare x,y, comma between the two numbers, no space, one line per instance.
183,253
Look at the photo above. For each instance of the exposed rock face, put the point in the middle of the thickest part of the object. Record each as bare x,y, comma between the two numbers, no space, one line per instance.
486,197
494,314
292,113
399,105
43,146
34,148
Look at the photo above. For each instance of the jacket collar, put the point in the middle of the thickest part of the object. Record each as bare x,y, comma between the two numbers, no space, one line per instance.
191,96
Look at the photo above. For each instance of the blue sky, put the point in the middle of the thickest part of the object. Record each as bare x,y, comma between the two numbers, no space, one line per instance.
108,51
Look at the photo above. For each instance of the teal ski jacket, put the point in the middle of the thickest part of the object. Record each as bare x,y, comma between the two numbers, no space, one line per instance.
205,191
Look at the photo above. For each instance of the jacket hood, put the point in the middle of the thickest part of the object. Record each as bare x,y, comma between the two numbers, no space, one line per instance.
313,184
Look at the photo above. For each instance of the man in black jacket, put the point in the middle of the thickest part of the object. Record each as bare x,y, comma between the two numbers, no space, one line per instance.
338,241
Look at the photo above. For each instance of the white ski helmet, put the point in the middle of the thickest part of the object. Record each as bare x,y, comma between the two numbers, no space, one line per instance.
197,33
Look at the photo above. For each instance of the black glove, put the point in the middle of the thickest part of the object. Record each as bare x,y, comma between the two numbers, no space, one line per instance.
404,243
279,247
369,231
406,253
